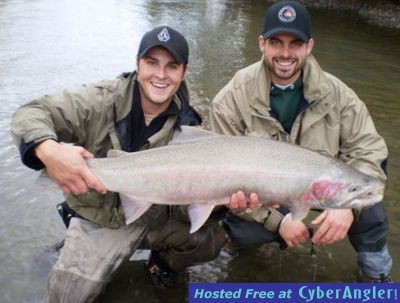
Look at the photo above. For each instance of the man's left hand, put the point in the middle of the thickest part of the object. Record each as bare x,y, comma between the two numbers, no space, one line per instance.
333,226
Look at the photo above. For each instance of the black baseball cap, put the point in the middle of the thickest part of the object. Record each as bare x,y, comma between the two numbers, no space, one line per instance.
167,38
287,17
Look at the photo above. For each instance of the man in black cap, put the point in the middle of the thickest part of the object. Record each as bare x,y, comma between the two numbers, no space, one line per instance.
137,111
287,96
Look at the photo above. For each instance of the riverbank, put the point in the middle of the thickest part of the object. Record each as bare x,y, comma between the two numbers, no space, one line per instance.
383,12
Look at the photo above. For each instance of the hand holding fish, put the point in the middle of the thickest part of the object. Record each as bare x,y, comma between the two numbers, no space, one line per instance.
239,202
67,166
294,232
333,225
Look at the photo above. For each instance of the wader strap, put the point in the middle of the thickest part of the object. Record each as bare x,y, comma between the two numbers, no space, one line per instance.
273,220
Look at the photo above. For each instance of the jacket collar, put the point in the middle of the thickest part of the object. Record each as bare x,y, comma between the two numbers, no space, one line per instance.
314,80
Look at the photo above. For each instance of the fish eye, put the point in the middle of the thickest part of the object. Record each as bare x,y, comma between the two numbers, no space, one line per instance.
353,189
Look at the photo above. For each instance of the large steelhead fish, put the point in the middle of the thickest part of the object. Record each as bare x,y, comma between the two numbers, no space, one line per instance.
202,169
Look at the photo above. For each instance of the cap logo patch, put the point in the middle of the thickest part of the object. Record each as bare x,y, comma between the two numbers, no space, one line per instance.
163,36
287,14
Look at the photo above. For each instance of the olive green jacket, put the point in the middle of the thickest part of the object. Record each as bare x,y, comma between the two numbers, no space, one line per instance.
335,121
87,117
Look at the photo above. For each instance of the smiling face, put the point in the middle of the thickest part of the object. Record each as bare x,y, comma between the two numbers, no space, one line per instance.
285,56
159,78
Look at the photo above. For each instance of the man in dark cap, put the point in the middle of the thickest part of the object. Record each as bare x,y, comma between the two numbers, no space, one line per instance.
287,96
137,111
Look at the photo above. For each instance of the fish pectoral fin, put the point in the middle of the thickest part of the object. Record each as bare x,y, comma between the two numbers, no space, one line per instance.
198,214
133,208
299,211
188,134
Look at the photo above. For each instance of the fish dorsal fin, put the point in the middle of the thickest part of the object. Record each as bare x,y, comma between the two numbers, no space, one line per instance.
198,214
188,134
133,209
114,153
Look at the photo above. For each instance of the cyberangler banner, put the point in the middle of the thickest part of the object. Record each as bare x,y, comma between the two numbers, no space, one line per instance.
294,292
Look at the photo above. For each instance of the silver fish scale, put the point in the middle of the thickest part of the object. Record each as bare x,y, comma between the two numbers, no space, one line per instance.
208,171
214,167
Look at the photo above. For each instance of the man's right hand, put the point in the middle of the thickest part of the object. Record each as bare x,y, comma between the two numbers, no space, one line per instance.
67,166
239,202
293,232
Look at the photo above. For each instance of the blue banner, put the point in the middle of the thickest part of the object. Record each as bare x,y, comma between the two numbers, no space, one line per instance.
294,292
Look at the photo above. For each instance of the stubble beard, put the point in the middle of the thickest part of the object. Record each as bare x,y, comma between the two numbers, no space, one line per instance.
285,75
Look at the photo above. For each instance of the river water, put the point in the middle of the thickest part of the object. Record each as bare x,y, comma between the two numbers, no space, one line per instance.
48,45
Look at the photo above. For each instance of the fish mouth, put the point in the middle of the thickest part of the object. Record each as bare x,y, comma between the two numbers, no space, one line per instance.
363,200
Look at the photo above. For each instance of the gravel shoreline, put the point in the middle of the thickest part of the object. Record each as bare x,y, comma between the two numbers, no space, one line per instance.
378,12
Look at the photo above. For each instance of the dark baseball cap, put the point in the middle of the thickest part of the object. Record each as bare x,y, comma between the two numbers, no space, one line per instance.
287,17
168,38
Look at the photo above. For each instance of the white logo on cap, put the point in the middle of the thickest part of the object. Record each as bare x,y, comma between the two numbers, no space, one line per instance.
163,36
287,14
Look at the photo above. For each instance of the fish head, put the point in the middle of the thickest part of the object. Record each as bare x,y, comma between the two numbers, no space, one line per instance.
363,192
347,192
